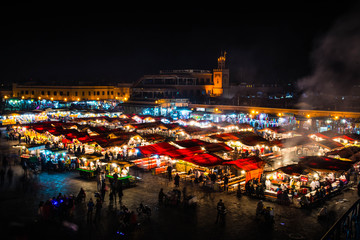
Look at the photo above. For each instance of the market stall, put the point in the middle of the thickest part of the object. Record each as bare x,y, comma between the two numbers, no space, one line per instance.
312,179
90,164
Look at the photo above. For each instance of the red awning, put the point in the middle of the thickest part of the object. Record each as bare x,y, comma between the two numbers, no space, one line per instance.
247,164
325,163
190,143
158,148
204,160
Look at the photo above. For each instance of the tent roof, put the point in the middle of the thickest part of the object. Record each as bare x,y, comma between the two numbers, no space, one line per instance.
153,137
345,152
247,164
251,139
330,144
217,147
325,163
292,142
204,160
158,148
225,137
276,129
190,143
329,134
294,169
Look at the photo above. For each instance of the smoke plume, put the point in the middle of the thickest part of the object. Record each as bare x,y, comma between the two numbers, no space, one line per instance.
336,63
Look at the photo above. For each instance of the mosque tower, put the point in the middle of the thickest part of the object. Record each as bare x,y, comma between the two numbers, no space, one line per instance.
221,77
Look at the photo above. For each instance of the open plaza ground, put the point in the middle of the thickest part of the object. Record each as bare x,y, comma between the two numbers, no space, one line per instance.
19,207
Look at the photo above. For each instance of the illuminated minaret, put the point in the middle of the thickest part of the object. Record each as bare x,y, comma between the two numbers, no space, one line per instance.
221,61
221,76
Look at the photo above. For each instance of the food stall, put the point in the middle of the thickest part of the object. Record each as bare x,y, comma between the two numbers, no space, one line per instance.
88,165
120,170
314,178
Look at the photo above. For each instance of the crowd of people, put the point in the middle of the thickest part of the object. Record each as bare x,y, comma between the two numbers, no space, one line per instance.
60,207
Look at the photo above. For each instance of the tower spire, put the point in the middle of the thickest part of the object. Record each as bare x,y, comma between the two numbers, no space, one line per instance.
221,60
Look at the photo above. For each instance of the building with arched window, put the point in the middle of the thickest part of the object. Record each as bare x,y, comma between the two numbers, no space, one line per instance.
187,83
71,93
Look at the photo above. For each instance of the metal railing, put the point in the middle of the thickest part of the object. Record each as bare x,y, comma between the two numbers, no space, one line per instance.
347,227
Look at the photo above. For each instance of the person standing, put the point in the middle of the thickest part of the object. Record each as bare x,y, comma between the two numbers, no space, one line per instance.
120,191
90,207
10,174
177,180
259,208
113,188
103,191
169,170
226,183
161,196
220,211
197,174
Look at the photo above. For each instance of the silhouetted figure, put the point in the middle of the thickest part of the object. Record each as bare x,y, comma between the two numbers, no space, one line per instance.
90,206
161,196
10,174
220,211
177,180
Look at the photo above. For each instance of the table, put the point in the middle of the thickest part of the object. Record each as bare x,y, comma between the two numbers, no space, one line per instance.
126,181
86,173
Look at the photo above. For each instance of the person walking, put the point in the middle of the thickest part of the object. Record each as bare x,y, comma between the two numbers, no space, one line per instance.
177,180
90,207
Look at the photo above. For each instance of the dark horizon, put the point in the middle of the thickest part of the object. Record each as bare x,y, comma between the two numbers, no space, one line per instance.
265,46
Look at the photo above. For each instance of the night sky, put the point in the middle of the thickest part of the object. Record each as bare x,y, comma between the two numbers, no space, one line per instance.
265,44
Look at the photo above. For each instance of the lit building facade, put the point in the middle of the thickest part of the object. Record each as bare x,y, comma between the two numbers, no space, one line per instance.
72,93
188,83
221,77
